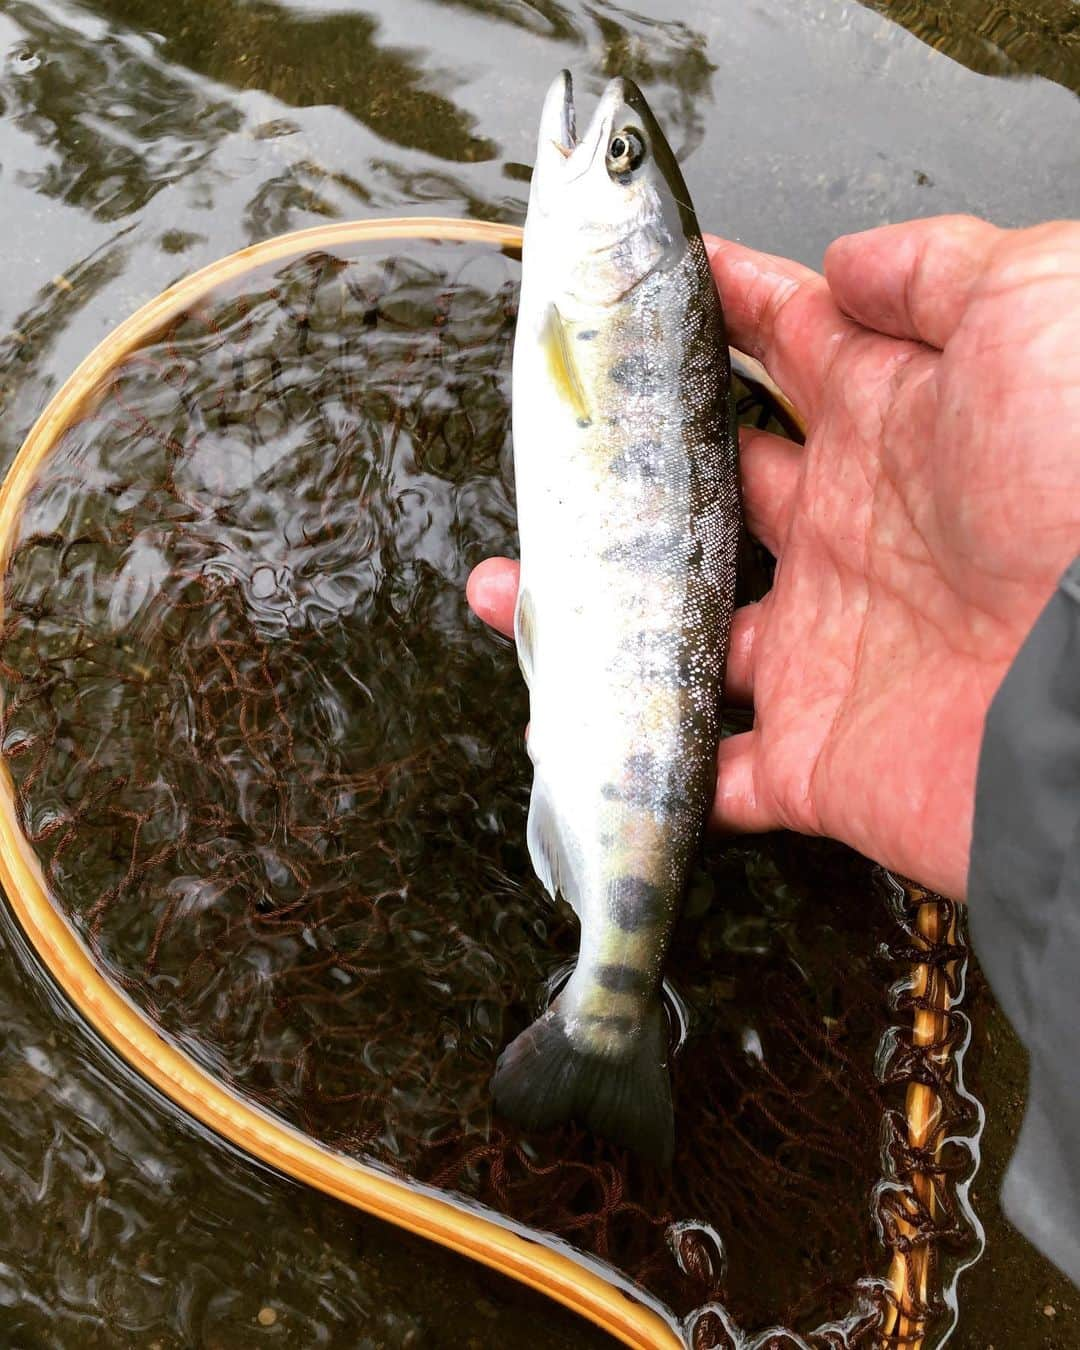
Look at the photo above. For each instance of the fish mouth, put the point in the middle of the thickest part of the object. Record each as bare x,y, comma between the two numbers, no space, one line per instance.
568,155
559,118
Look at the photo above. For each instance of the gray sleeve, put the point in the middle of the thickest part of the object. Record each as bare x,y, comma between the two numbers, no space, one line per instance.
1024,897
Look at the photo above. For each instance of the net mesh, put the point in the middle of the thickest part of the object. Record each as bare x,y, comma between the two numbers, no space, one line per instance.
275,775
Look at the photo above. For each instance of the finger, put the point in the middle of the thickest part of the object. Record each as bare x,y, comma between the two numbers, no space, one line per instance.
912,280
739,675
769,467
782,313
491,591
738,808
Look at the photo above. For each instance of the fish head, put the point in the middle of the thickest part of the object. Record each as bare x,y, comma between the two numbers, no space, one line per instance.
610,208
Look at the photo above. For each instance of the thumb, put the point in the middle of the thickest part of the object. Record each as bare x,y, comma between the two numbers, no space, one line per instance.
912,280
492,593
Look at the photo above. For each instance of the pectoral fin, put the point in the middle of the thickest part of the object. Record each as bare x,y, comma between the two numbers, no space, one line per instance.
525,634
563,367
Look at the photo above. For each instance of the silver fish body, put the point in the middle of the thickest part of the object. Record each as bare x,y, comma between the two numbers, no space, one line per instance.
628,514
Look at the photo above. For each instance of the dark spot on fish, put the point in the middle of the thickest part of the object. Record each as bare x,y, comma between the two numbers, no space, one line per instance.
659,648
616,1022
697,553
586,335
666,659
642,763
640,460
667,800
633,903
634,372
648,549
623,980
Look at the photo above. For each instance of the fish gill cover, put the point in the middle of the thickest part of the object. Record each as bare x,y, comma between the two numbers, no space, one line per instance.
275,775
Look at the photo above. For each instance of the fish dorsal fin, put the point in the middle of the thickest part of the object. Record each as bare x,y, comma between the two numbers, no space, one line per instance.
546,848
561,364
525,634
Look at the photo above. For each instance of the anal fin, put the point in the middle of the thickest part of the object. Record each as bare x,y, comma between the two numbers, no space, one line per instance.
547,849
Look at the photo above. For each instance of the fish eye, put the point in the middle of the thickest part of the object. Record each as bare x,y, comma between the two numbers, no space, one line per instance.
625,153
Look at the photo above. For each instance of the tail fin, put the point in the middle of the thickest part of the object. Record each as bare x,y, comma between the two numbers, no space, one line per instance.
543,1077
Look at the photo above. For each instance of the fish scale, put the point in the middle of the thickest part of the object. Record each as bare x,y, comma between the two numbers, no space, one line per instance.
628,516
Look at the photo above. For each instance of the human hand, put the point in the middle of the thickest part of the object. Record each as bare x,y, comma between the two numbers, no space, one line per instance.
918,533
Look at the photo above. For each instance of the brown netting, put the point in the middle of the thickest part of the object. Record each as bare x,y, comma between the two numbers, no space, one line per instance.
275,774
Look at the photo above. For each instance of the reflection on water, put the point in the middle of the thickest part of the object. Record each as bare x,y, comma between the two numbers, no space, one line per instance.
109,132
140,140
545,18
1037,37
310,58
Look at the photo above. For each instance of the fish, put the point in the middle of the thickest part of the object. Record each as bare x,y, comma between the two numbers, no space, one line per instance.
629,520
